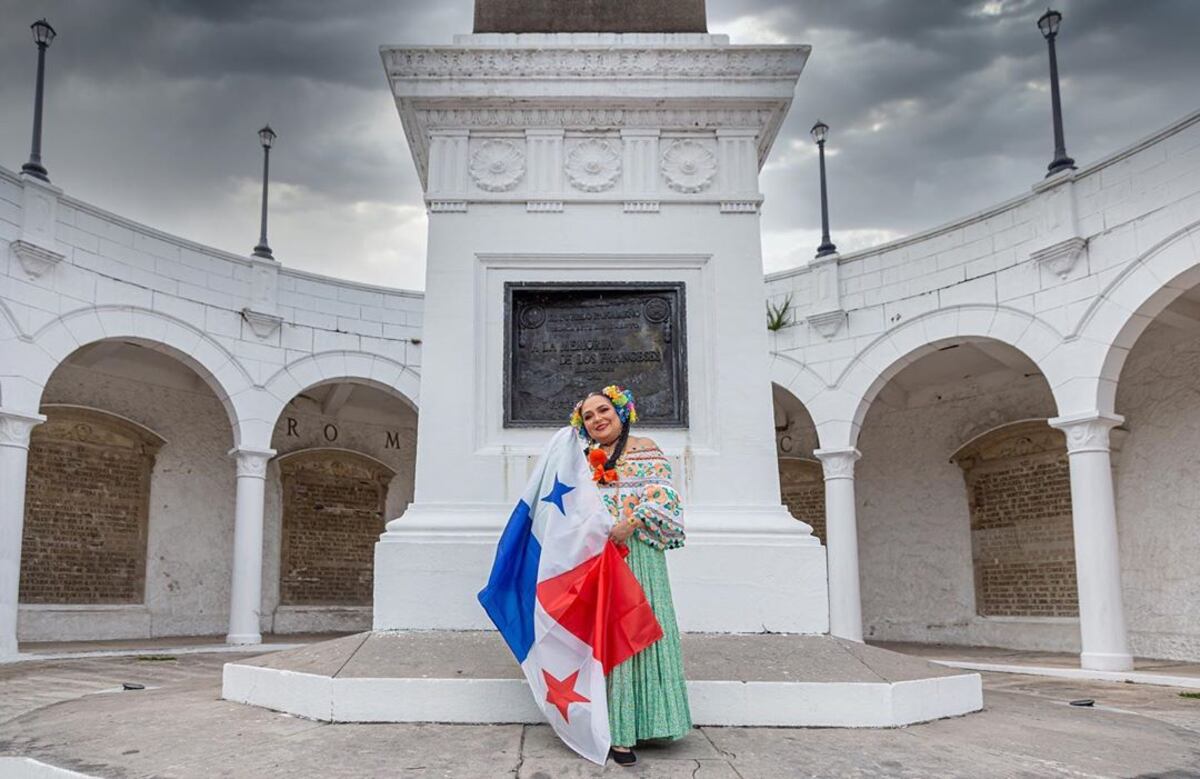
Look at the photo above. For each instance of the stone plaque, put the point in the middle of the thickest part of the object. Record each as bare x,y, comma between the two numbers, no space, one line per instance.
590,16
563,340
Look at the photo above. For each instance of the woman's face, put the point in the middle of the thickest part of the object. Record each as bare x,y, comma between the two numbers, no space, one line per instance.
600,419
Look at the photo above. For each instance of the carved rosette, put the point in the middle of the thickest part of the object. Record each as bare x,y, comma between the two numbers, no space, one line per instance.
497,165
688,166
593,165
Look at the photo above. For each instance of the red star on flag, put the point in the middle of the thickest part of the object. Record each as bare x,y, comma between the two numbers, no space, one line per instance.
561,692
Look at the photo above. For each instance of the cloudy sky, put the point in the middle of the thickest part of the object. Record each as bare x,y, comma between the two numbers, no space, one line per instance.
937,108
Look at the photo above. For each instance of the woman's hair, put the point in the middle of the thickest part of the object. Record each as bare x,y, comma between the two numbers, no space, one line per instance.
621,400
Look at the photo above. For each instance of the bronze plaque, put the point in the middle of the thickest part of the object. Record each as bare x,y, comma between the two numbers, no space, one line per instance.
563,340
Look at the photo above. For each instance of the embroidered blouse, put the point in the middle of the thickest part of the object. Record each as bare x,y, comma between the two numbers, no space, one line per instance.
643,490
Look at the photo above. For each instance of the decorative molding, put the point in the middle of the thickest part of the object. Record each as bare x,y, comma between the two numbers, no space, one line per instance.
740,206
1061,257
502,118
593,165
252,463
827,323
688,166
607,63
497,165
543,206
447,206
641,206
838,463
15,427
1088,432
35,260
263,324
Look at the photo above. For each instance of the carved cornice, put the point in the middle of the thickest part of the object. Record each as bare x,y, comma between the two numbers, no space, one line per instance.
641,206
607,63
263,324
543,206
447,206
838,463
35,260
501,117
740,206
1062,257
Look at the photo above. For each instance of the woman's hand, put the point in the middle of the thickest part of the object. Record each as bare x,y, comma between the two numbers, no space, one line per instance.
621,531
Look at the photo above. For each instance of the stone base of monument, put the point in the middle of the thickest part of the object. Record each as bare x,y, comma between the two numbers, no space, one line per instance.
470,677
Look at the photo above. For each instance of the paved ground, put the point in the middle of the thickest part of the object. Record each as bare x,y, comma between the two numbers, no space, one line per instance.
72,714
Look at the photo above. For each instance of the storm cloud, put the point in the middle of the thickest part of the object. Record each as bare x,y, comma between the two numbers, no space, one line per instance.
937,108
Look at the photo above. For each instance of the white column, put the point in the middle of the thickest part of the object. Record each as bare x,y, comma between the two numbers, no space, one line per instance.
245,597
841,541
1097,558
15,427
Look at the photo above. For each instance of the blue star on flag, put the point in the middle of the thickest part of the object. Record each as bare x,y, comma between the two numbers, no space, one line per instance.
556,494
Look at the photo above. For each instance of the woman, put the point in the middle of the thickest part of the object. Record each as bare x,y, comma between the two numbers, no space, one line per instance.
647,694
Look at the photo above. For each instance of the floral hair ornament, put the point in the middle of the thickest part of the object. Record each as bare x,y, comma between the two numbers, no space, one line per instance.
622,401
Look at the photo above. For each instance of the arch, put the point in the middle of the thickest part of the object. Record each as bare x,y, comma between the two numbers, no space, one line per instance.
341,450
1130,302
795,377
839,415
63,336
373,370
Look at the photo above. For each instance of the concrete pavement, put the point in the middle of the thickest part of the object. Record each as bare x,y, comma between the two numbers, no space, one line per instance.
68,713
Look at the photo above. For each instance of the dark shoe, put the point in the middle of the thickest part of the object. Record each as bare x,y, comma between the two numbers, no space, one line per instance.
623,758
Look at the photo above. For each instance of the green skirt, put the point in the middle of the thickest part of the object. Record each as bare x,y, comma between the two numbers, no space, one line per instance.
647,694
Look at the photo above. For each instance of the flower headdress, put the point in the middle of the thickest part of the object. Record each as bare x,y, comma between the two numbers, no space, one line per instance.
622,400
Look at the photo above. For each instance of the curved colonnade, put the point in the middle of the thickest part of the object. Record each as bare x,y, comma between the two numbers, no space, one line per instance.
1068,276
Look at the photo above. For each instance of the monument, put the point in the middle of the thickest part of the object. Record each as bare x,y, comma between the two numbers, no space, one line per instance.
593,218
592,188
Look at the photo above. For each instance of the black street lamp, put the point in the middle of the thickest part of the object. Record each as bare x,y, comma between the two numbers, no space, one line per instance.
1048,24
819,131
266,137
43,34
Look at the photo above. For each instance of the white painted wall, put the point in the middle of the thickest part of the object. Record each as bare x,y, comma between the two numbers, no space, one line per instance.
1158,495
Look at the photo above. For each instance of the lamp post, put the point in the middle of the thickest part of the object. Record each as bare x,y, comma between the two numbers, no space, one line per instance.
1048,24
819,131
43,34
266,137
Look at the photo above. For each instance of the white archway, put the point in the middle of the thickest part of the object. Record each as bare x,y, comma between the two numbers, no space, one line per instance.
1127,306
58,339
839,415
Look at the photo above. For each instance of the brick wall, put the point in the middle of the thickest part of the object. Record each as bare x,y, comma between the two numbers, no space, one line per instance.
802,488
87,506
333,513
1019,494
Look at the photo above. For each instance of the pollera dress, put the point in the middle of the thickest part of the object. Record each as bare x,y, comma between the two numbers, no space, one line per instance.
647,694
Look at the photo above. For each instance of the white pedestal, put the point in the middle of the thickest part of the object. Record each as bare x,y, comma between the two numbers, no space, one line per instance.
740,572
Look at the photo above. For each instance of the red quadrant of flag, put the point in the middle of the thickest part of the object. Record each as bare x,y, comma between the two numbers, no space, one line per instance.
561,692
602,604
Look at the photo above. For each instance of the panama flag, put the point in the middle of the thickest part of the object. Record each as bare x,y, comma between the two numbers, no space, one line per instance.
564,599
